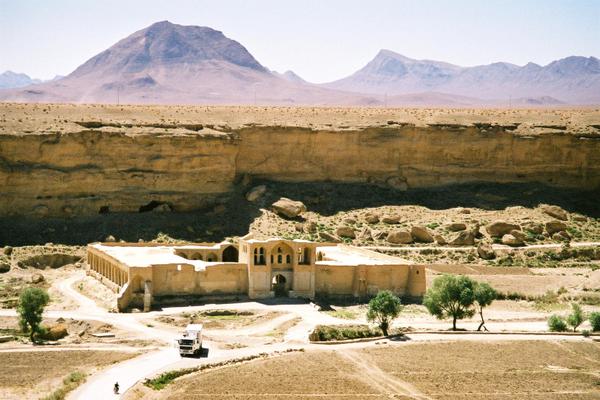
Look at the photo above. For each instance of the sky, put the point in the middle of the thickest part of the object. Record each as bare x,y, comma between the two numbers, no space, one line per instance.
320,40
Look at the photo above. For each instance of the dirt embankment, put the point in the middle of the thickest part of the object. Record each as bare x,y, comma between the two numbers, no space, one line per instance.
83,160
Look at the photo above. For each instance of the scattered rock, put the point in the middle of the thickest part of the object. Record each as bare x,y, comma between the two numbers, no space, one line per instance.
477,231
371,218
534,227
486,251
4,267
164,207
378,235
365,234
310,227
288,208
421,234
246,180
110,239
41,211
561,236
462,210
328,237
345,232
256,193
500,228
555,212
349,221
299,226
464,238
390,219
456,226
399,237
439,239
510,240
519,235
37,278
579,218
555,226
397,183
8,250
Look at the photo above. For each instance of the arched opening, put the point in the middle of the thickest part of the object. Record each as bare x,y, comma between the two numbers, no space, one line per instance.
196,256
230,254
211,257
278,285
283,255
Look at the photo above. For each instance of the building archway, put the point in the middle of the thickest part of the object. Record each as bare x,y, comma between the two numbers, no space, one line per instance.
230,254
278,285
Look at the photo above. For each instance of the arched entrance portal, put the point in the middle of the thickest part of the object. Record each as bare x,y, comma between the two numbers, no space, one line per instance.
278,285
230,254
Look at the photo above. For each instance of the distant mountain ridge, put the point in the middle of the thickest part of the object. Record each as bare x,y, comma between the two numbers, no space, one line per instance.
166,63
10,79
572,79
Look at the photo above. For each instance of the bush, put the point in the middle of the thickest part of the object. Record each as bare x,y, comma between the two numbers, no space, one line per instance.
55,332
557,324
70,383
585,333
31,307
595,321
383,309
576,317
323,333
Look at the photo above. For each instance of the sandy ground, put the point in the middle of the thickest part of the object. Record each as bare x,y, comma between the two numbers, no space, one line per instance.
506,370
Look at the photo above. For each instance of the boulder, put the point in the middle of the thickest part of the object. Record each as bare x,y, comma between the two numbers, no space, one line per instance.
464,238
486,251
555,226
37,278
7,250
4,267
349,221
476,229
288,208
371,218
378,235
399,237
110,239
256,193
390,219
329,237
439,239
561,236
500,228
365,234
456,226
519,235
299,226
579,218
310,227
463,210
555,212
534,227
55,332
345,232
421,234
398,183
510,240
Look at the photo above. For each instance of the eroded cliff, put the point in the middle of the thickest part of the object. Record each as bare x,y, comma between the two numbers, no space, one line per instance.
77,160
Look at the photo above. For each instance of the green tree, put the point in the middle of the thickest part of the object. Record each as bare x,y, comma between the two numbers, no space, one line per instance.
484,296
451,296
30,309
595,321
556,324
384,308
576,317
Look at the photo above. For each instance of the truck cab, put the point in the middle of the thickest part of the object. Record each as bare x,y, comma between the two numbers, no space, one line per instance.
190,341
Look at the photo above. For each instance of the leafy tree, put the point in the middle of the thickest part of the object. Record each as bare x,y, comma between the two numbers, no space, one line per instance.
576,317
384,308
30,309
484,296
595,321
557,324
451,296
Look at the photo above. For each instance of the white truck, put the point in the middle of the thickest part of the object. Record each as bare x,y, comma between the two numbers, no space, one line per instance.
190,341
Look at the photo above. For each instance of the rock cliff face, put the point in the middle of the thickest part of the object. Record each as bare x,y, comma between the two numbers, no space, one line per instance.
97,170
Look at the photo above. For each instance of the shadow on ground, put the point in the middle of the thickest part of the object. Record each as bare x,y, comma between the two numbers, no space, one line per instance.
325,198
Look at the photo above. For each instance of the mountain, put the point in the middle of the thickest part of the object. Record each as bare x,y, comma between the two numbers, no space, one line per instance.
290,76
573,79
9,79
169,63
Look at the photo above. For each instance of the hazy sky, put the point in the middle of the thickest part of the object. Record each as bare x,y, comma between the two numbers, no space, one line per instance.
321,40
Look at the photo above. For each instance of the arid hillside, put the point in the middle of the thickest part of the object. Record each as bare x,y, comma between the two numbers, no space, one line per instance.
68,160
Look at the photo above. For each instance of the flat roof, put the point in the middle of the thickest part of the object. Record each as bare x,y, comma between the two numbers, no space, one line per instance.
348,255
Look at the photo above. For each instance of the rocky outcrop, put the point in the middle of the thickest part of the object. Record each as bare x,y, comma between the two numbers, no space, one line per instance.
421,234
399,237
288,208
98,167
500,228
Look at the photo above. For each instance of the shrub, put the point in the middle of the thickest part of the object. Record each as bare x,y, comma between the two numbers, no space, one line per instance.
323,333
595,321
31,307
557,324
576,317
585,333
70,383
